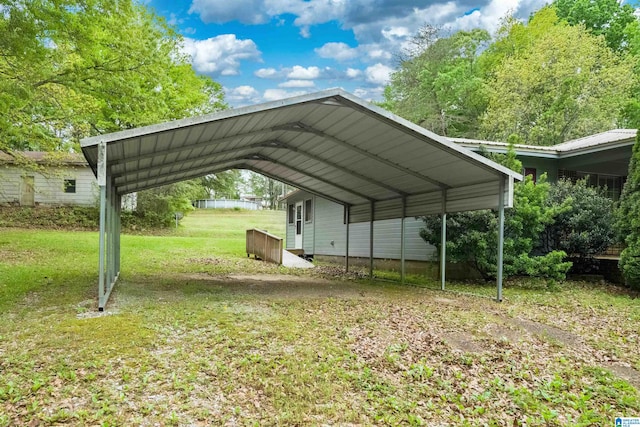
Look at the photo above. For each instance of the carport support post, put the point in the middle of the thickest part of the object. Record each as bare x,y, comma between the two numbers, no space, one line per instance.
443,241
402,250
346,250
102,183
372,208
500,240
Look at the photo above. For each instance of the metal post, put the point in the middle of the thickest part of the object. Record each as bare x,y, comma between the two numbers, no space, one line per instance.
443,242
102,183
402,240
372,208
347,211
118,231
500,240
109,237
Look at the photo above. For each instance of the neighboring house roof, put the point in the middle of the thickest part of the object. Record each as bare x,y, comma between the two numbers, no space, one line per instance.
588,144
329,143
44,158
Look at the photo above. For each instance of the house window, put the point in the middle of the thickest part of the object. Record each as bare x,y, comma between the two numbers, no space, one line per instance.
308,211
530,171
69,185
291,215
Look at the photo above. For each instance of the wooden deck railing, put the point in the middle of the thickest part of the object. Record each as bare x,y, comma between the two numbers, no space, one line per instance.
264,246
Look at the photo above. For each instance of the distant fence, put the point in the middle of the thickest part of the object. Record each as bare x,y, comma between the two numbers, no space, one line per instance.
226,204
264,245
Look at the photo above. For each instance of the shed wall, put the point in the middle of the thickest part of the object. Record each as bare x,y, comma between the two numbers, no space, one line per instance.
49,190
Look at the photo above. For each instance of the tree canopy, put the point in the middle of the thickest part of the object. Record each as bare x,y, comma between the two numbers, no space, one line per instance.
570,71
74,68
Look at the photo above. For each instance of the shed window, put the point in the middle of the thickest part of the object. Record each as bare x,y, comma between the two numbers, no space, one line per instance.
530,171
308,211
292,210
69,185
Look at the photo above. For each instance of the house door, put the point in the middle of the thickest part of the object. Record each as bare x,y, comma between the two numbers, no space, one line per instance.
299,225
27,195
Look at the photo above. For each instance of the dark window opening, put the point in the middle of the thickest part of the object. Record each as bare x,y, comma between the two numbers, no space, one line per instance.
69,185
532,172
308,211
291,214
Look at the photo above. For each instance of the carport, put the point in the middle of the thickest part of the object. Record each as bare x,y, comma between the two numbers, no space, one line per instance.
330,143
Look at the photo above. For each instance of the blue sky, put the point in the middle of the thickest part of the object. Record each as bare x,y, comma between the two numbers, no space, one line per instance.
264,50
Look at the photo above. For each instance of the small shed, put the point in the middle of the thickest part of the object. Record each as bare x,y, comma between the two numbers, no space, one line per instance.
35,178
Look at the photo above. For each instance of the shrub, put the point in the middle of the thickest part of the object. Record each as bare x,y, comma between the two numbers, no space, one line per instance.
628,221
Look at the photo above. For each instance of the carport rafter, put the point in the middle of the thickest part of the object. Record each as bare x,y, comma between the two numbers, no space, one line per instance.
302,127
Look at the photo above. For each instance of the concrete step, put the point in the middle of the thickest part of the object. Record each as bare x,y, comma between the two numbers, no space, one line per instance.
294,261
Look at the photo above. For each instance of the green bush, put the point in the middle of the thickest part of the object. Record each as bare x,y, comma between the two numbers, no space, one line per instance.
472,237
628,221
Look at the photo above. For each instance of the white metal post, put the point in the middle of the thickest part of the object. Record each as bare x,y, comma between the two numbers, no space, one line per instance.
402,241
372,208
347,211
500,240
102,183
443,241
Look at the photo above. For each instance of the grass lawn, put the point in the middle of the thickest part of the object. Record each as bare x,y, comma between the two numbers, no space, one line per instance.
198,334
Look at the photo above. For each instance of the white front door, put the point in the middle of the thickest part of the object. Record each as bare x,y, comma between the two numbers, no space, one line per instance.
299,225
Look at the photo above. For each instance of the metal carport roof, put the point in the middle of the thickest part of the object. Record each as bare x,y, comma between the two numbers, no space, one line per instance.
329,143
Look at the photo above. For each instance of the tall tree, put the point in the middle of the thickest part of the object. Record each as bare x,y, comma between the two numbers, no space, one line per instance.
553,82
269,189
224,184
438,84
73,68
612,19
628,220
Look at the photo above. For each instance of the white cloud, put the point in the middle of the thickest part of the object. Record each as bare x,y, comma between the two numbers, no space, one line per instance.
267,73
299,72
297,83
216,11
393,33
378,74
242,95
338,51
220,55
276,94
353,73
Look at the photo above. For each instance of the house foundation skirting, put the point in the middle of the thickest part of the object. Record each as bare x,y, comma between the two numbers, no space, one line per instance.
429,269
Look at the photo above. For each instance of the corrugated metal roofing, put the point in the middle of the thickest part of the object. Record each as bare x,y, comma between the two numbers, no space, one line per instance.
599,141
330,143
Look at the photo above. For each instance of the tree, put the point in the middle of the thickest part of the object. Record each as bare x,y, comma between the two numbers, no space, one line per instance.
438,84
158,205
610,18
628,221
268,189
74,68
553,82
224,184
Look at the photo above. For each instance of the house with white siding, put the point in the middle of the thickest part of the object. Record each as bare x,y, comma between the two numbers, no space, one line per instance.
34,178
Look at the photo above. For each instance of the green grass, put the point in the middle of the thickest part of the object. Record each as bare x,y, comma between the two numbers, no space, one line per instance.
184,343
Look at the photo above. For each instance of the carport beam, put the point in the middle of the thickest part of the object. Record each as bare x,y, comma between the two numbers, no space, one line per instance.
500,240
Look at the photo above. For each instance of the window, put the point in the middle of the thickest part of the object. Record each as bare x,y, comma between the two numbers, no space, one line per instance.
530,171
69,185
291,214
308,211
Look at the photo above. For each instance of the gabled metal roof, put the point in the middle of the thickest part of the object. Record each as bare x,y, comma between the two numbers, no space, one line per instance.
329,143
